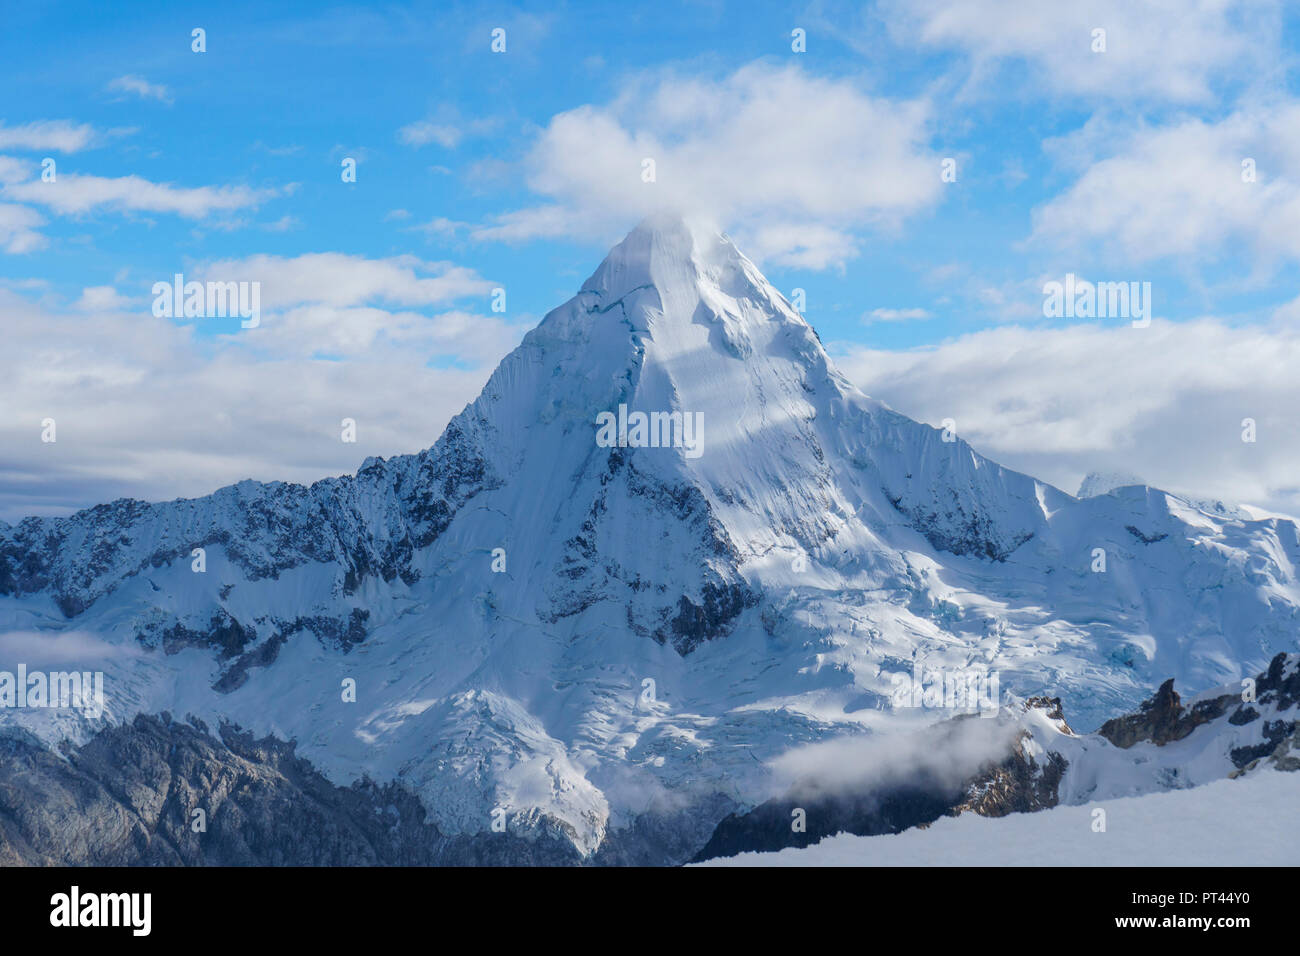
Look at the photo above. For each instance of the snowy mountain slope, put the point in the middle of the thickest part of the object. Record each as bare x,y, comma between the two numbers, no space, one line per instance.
771,581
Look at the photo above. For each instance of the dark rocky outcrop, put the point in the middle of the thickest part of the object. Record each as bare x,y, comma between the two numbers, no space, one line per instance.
1018,784
128,797
1163,718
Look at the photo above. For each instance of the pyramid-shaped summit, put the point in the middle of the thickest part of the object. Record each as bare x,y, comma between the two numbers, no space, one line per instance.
567,618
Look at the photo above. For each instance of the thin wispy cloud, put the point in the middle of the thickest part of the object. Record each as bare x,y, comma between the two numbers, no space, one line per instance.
896,315
76,194
1160,51
138,86
61,136
423,132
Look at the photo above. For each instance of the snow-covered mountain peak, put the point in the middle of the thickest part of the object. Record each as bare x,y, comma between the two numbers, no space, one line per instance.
667,485
1104,482
662,250
690,271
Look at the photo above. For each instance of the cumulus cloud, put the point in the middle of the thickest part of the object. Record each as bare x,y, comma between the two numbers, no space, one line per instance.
1166,402
18,226
100,298
1179,190
1160,50
792,162
14,170
151,408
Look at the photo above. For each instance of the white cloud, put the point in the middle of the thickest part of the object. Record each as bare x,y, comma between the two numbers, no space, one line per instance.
331,304
283,224
440,226
18,229
101,298
151,408
448,128
139,86
791,162
1165,402
62,136
799,245
339,280
325,330
942,756
1161,50
1178,190
14,170
74,194
41,648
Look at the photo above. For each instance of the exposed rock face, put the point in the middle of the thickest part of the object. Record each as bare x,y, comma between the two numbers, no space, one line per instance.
129,796
1163,718
366,526
1019,784
1286,756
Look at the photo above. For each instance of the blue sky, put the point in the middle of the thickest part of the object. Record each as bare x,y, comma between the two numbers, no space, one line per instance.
478,169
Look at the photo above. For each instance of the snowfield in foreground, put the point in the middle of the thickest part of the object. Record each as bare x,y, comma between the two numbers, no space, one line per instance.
1250,821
